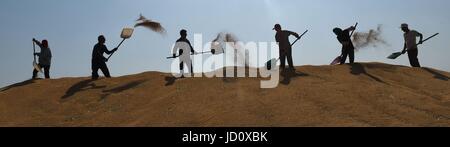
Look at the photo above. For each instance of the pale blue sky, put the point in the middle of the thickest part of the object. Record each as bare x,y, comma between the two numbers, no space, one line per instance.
72,27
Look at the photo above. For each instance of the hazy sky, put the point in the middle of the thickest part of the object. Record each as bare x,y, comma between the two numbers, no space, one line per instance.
72,27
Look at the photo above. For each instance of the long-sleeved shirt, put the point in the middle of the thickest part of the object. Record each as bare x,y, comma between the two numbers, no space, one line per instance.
45,56
98,51
282,38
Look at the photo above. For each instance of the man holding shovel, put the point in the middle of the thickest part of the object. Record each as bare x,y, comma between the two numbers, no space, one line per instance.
184,48
98,60
411,44
285,48
45,58
344,37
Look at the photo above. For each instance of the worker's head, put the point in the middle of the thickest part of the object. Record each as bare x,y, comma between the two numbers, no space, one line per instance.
277,27
45,43
101,39
404,27
183,33
337,31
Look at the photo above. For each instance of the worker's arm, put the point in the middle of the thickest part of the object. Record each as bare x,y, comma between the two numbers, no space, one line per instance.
404,48
37,42
108,51
421,37
295,34
174,49
192,48
350,28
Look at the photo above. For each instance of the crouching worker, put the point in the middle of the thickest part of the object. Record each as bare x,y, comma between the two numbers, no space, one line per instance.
98,60
184,48
45,58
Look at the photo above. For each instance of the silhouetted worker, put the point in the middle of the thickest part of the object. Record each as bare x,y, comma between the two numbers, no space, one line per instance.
343,36
45,58
184,48
98,60
411,44
285,48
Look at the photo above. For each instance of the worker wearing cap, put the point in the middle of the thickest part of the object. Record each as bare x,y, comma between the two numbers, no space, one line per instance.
184,47
410,46
285,48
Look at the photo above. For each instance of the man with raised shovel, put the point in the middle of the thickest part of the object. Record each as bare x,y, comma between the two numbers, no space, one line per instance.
98,60
344,37
45,58
411,44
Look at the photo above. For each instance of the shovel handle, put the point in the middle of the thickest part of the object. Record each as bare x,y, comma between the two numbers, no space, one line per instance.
116,47
351,34
303,34
430,37
34,51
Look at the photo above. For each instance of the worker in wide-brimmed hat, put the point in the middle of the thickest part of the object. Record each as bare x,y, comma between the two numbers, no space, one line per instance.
285,48
410,46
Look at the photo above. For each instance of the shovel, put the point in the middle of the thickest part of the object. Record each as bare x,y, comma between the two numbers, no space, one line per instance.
398,54
337,60
35,65
181,52
273,62
126,33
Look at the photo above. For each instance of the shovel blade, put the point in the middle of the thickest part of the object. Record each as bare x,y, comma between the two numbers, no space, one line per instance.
337,60
271,64
394,55
126,33
37,67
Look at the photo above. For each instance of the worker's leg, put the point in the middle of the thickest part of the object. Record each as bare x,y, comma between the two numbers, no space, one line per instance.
351,55
413,60
189,64
94,68
289,58
47,71
105,69
181,67
282,60
344,56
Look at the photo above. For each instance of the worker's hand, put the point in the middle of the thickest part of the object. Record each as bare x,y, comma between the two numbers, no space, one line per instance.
173,55
404,51
36,54
34,39
352,28
115,49
420,42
